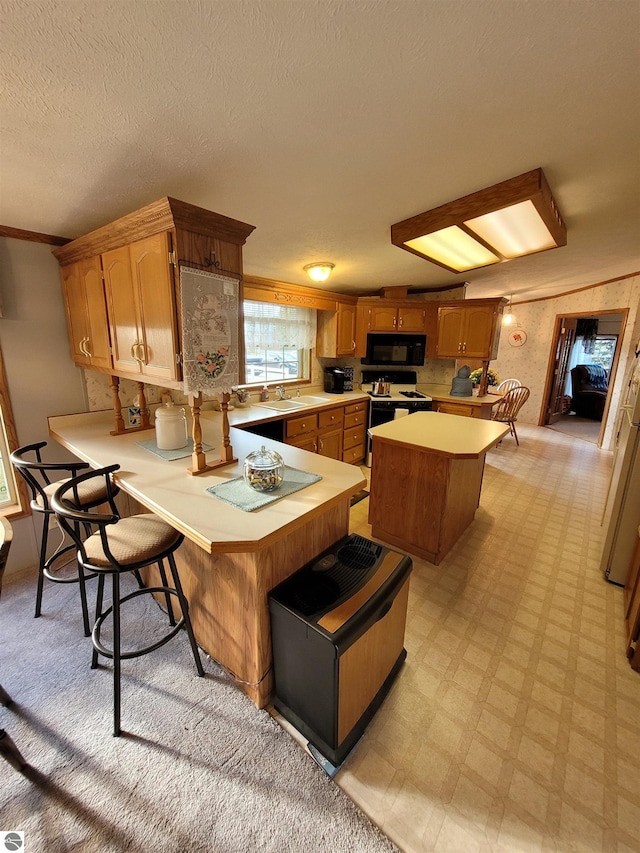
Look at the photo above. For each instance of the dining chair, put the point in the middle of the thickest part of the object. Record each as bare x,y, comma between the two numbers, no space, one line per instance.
121,545
43,478
8,749
507,385
506,410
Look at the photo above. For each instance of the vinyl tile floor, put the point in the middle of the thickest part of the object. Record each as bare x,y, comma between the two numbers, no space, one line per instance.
514,725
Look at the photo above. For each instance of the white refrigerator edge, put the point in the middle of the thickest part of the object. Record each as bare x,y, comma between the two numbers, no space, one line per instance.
621,517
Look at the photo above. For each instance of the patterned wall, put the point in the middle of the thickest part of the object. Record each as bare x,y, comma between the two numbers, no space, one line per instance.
529,362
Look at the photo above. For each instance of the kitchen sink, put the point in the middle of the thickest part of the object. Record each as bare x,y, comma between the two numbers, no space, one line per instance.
310,400
283,405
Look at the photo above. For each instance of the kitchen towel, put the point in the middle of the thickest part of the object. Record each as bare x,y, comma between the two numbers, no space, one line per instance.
237,493
181,453
400,413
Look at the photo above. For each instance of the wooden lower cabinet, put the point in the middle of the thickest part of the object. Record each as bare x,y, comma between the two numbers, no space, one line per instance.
355,427
466,409
338,433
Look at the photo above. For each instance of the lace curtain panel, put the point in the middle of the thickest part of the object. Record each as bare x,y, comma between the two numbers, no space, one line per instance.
268,326
210,307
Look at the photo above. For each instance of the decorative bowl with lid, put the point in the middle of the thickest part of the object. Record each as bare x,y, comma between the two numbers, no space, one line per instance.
263,470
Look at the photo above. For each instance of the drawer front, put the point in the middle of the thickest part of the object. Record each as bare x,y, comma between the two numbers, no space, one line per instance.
353,454
300,426
352,408
334,417
355,419
465,411
353,437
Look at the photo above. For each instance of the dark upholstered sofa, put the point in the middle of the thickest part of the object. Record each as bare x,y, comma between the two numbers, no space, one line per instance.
589,386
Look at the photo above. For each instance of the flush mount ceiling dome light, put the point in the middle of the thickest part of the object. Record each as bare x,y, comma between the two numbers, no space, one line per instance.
319,270
511,219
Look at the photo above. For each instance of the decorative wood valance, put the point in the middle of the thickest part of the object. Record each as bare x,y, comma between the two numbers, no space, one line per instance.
280,292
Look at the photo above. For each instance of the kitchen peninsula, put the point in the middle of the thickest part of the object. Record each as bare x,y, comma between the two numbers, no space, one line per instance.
469,407
230,559
426,478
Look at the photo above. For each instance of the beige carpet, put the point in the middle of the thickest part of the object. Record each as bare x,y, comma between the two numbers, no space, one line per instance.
199,767
582,428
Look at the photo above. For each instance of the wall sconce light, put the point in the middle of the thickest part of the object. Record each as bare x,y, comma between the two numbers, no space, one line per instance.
511,219
319,270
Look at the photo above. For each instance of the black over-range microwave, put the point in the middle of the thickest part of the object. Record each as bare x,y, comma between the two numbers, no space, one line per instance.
392,349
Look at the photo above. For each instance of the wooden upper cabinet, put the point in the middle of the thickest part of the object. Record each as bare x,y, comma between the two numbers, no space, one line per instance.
142,313
139,255
346,335
84,298
411,319
470,329
336,335
383,318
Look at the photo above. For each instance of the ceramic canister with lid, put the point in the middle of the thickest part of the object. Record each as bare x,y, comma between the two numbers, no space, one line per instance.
171,427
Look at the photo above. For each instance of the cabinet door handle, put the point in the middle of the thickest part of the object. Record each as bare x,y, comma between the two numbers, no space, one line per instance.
320,444
400,323
81,346
143,349
87,351
353,345
132,351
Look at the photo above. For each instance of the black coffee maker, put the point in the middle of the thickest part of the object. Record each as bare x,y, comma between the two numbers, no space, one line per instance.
334,379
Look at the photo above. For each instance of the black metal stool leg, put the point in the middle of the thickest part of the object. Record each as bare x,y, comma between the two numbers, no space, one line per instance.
99,599
10,751
43,559
184,606
167,596
116,655
5,699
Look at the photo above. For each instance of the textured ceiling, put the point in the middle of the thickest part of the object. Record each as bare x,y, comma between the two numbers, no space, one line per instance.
322,123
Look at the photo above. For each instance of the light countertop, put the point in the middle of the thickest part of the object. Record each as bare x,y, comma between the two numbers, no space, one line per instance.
167,488
241,416
448,435
442,392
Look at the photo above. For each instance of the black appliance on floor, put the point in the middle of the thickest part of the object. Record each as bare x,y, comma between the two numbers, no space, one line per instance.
337,629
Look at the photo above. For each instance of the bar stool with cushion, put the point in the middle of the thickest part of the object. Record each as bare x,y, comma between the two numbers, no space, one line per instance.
122,545
43,478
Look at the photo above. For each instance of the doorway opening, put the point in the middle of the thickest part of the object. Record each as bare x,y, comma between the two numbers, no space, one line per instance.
582,366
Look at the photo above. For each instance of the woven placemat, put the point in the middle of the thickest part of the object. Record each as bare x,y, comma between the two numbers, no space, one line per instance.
181,453
238,494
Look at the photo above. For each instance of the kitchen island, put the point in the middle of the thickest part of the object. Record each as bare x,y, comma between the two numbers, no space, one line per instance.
426,478
230,559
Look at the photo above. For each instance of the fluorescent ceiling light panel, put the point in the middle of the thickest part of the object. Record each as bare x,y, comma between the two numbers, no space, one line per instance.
511,219
454,248
514,231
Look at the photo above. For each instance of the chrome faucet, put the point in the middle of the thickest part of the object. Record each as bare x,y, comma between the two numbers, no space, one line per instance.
280,392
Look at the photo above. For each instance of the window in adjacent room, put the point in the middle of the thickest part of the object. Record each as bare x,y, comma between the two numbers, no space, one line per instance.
278,340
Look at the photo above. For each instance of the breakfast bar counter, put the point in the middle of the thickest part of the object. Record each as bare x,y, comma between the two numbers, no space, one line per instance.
230,558
426,478
469,407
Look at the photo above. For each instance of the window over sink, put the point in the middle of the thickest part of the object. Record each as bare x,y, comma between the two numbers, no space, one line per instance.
278,340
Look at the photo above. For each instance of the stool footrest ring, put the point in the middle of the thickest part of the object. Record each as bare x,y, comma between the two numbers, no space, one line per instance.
108,653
